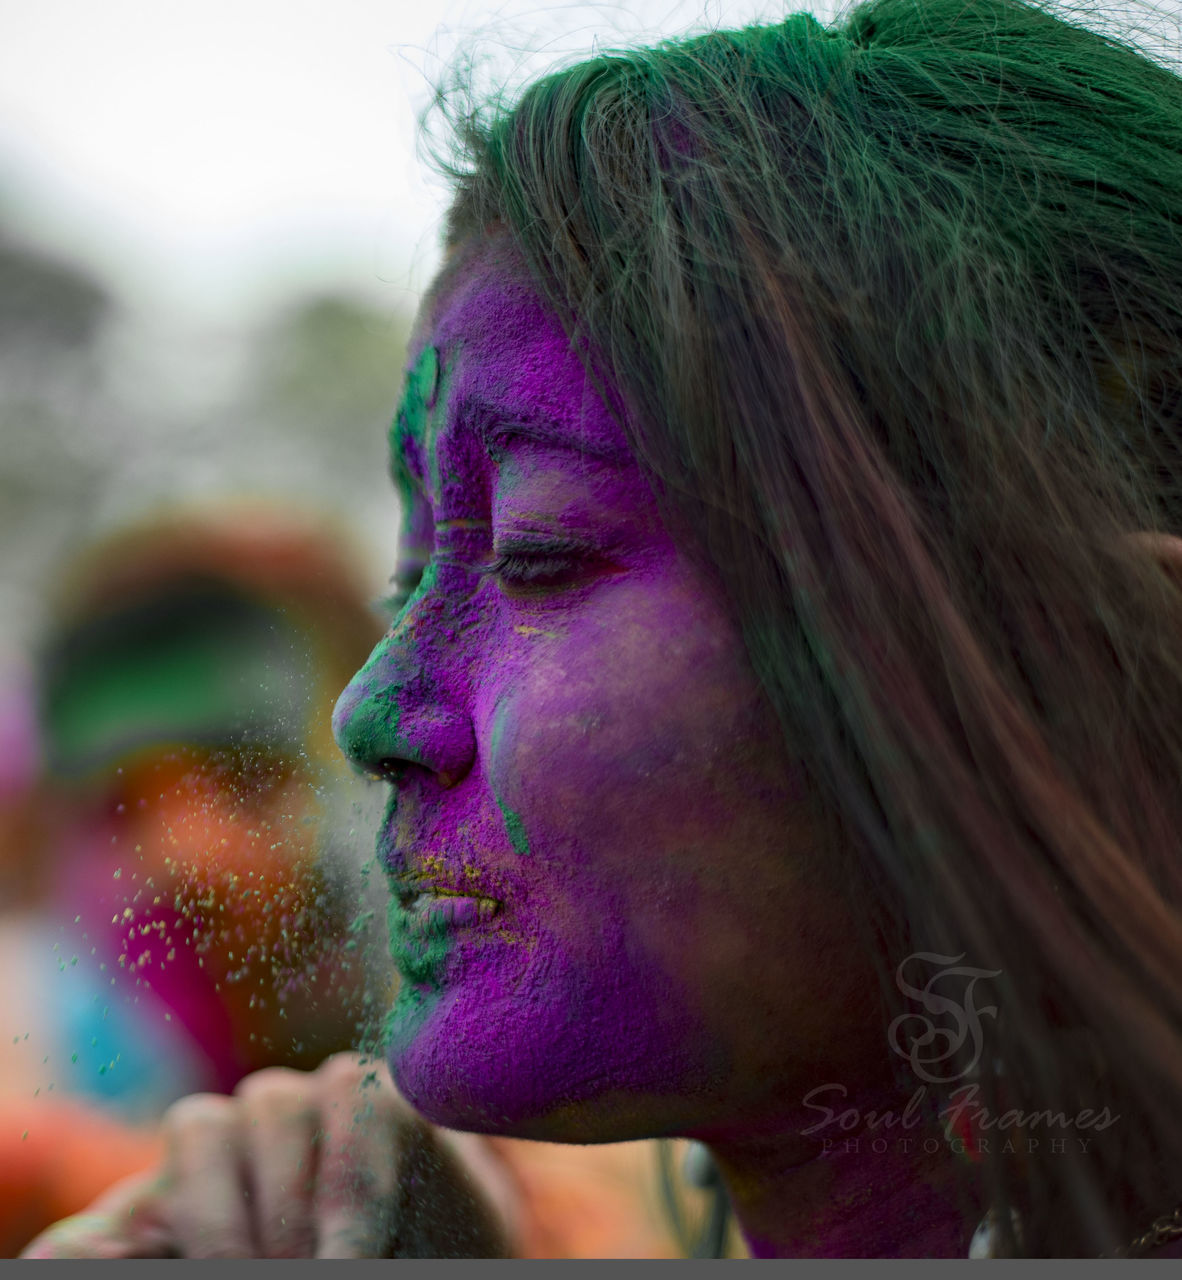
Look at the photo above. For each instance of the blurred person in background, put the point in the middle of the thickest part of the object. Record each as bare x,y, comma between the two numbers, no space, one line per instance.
179,901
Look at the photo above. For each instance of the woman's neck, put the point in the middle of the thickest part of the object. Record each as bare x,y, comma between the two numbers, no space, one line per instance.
878,1179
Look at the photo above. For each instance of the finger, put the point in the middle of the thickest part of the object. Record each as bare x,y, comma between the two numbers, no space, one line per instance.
278,1128
357,1159
125,1222
207,1199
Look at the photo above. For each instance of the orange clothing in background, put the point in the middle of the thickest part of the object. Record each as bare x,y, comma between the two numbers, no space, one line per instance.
56,1158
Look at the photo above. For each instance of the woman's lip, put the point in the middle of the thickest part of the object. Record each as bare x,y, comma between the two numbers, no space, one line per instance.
423,906
425,922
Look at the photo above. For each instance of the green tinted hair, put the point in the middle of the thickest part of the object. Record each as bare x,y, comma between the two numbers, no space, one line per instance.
892,313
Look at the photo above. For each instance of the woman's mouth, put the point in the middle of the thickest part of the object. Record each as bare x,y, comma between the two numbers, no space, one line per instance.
426,908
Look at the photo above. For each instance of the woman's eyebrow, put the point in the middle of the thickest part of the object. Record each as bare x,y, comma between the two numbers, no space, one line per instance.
495,424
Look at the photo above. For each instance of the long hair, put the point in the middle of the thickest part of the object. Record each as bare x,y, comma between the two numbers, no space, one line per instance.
892,314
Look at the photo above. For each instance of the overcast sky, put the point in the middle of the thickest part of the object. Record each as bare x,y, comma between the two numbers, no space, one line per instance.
198,148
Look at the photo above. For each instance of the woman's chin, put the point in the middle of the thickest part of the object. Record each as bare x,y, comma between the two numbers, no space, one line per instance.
461,1068
465,1059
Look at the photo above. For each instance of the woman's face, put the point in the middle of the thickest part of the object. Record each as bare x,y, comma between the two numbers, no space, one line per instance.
607,908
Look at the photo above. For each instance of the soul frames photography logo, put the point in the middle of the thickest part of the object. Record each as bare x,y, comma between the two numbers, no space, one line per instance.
942,1038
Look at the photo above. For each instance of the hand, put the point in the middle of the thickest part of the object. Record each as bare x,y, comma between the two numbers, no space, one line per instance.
324,1164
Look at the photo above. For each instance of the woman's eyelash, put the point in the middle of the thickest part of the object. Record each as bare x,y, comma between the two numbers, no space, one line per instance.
522,567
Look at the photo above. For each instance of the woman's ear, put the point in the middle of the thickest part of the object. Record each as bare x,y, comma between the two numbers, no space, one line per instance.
1166,549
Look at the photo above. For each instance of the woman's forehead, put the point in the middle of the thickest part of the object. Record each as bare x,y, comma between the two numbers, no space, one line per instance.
489,355
489,263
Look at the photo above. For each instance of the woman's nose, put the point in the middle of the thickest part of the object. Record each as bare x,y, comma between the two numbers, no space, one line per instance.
392,714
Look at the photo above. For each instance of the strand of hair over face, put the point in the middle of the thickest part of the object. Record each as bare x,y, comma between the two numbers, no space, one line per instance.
892,313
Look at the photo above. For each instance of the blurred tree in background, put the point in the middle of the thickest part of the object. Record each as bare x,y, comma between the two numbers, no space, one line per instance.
107,414
52,320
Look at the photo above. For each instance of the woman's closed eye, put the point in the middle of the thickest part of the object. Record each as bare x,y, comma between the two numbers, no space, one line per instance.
529,568
518,569
532,570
